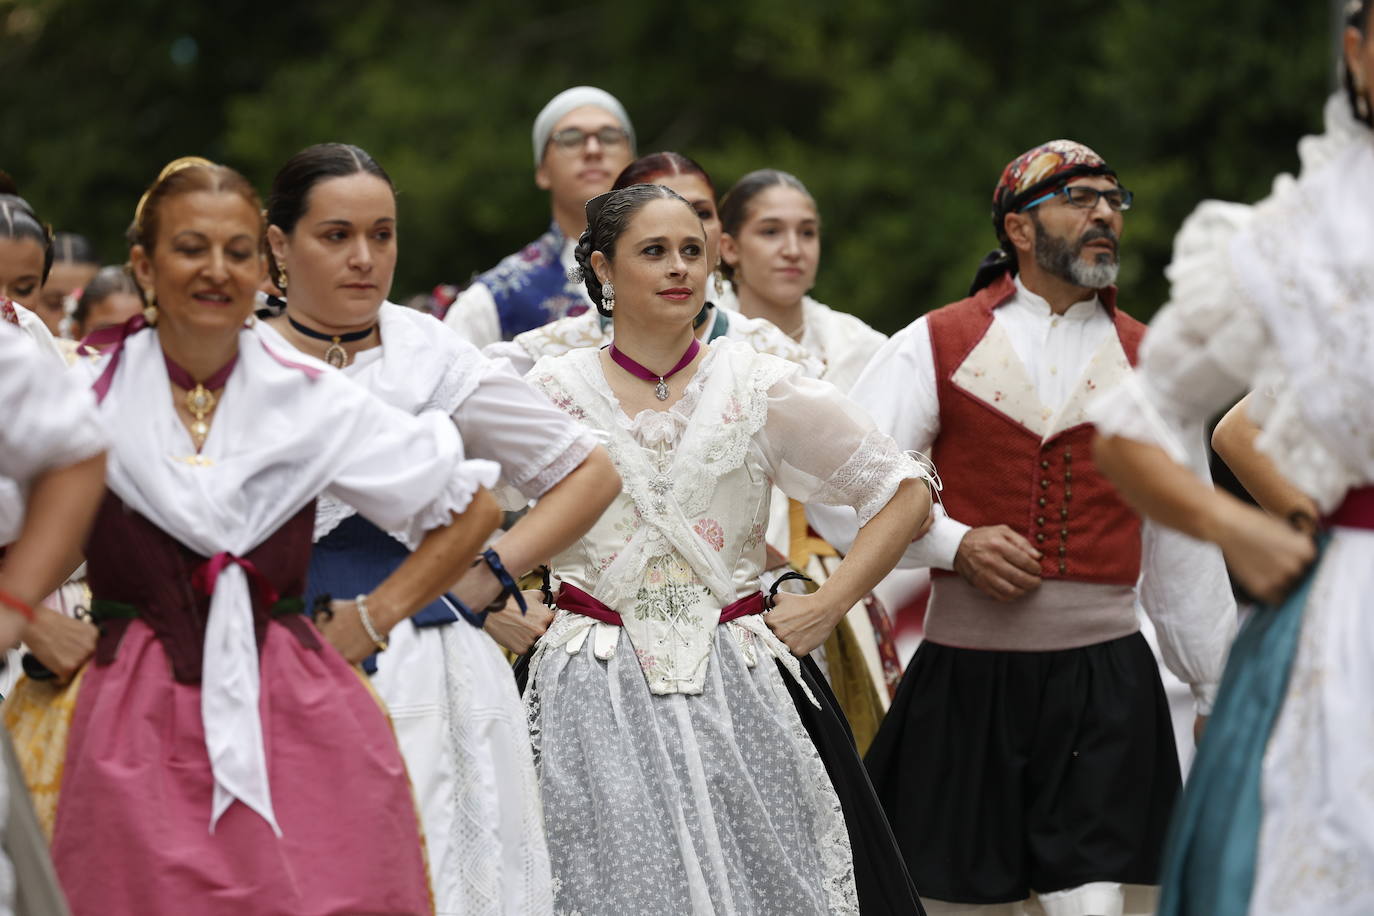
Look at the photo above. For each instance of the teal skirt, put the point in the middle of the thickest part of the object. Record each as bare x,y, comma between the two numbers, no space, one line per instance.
1209,863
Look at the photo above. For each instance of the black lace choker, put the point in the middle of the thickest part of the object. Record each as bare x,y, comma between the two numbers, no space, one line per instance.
334,354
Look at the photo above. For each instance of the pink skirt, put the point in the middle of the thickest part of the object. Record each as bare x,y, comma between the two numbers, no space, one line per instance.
132,830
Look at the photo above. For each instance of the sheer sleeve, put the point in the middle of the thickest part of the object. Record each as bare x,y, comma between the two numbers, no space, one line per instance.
507,421
404,473
50,418
823,448
1203,348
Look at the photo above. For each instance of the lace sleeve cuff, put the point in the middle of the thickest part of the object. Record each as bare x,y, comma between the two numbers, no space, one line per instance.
467,478
868,480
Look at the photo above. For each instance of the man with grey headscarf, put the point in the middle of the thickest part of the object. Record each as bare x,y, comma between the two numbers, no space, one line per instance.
582,140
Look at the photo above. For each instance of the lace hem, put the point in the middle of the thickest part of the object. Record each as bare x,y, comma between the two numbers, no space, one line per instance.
463,484
565,455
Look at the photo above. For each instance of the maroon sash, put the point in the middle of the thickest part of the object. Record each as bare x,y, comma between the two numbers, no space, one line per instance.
571,598
1355,511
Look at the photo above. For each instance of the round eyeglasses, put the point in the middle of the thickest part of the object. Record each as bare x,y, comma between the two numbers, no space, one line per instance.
572,139
1086,198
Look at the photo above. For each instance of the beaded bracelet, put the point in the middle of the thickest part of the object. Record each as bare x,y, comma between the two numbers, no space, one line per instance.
15,604
381,641
509,588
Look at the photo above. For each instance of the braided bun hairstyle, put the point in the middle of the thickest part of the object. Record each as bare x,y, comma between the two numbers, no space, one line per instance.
608,215
19,221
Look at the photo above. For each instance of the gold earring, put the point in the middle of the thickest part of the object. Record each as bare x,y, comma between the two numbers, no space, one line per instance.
150,310
281,279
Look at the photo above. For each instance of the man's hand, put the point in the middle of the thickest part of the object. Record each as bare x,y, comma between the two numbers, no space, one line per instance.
518,632
998,562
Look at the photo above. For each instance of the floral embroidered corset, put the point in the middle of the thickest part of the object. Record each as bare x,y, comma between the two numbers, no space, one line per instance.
686,535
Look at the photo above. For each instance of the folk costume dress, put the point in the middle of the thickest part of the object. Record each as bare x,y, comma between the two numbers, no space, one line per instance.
217,756
449,688
50,422
1029,750
677,774
1278,815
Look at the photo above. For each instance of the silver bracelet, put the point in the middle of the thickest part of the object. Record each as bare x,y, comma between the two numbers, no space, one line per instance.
372,634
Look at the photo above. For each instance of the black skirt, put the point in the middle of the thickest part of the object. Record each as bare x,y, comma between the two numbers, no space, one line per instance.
881,876
1004,773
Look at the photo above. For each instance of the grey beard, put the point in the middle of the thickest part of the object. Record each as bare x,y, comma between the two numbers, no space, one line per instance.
1060,259
1098,275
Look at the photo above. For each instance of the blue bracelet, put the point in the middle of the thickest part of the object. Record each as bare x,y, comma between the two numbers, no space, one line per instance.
508,586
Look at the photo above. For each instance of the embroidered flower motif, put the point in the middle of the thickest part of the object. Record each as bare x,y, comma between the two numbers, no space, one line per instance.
647,661
711,532
1092,386
755,536
734,411
997,395
564,402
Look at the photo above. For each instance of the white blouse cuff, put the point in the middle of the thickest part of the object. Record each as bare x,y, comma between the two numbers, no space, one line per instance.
467,478
1128,410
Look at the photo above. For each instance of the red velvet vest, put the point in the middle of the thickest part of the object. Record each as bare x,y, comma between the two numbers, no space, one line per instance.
998,472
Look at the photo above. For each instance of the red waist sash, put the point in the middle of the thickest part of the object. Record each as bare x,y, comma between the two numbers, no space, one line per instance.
1355,511
571,598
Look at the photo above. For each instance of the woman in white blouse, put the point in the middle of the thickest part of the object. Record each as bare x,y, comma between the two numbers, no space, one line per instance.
218,754
1278,814
452,698
675,770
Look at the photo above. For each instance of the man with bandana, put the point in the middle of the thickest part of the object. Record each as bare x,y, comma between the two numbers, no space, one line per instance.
582,140
1028,759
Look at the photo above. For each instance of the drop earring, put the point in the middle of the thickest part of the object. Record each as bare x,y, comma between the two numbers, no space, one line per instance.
608,296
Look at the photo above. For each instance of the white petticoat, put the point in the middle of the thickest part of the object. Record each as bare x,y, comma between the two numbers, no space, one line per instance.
681,803
461,727
1316,851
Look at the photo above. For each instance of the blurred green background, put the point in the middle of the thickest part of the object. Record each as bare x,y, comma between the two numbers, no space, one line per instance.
898,115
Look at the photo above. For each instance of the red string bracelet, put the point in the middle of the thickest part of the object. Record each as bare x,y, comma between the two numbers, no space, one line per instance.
14,603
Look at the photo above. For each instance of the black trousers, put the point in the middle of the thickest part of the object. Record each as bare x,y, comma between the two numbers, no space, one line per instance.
1007,772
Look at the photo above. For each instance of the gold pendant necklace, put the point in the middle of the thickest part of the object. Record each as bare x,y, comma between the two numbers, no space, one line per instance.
335,355
199,401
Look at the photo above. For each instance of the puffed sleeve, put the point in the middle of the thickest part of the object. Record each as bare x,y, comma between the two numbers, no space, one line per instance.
507,421
406,474
822,447
1203,348
50,417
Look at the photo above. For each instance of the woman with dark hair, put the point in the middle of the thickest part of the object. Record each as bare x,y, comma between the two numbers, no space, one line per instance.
770,252
108,300
26,254
74,264
333,236
593,328
1278,812
217,755
677,773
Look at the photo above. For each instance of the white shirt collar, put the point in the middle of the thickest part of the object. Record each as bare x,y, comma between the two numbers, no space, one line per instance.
1036,305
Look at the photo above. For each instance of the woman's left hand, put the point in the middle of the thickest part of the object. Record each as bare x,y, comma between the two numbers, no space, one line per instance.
802,622
343,629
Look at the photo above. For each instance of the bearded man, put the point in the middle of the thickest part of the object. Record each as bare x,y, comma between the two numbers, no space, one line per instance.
1029,751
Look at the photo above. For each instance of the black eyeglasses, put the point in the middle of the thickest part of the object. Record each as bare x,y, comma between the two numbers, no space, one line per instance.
1086,198
571,139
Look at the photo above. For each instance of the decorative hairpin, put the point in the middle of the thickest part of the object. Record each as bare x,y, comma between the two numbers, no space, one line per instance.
576,273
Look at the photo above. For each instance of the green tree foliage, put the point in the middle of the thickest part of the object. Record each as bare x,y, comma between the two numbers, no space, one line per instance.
898,115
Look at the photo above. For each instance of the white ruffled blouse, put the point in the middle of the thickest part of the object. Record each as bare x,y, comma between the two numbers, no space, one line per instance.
686,535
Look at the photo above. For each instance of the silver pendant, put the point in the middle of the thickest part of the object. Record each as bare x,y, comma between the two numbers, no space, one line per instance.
661,390
336,355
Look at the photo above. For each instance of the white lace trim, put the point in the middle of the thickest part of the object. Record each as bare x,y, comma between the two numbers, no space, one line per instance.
871,476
